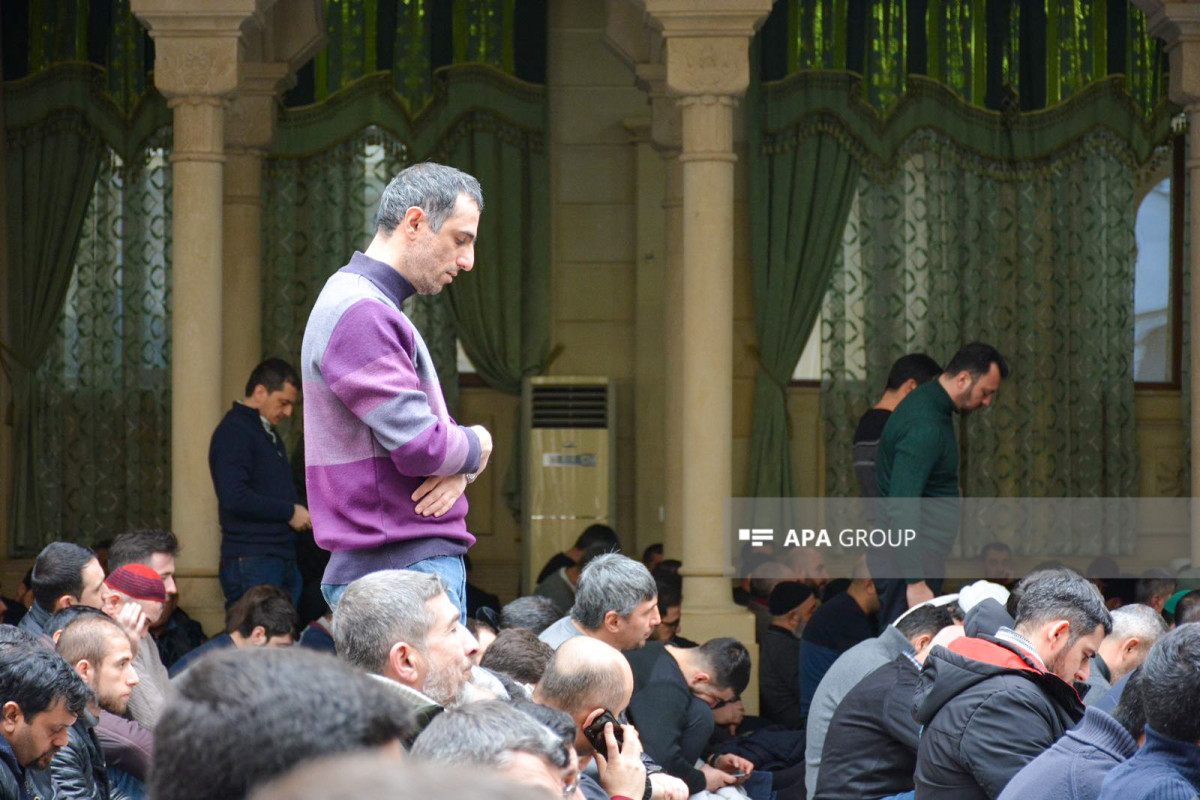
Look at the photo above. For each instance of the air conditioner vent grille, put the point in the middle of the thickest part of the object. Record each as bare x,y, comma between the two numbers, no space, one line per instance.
560,406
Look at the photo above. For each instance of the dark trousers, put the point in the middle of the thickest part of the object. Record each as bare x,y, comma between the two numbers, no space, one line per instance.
243,572
893,591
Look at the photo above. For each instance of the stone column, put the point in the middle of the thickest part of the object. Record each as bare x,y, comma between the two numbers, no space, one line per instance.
1178,24
665,136
196,67
249,132
708,68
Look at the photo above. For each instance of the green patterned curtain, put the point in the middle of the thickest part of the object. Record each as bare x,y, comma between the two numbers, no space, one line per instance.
1036,260
370,37
997,54
104,437
969,224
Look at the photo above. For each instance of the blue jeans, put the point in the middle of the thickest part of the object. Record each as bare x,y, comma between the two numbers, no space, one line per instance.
243,572
903,796
450,569
125,786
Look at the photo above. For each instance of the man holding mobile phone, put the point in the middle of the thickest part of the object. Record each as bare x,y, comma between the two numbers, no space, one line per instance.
592,682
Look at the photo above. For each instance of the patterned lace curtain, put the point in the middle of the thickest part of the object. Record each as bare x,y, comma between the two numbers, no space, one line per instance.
1035,259
104,388
317,211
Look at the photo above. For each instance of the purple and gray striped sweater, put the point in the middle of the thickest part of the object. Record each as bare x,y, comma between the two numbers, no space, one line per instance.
375,426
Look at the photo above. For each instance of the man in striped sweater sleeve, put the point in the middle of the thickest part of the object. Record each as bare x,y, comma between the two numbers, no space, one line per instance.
386,466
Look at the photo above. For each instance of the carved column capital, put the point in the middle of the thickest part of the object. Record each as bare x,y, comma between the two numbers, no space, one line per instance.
708,43
1178,25
250,118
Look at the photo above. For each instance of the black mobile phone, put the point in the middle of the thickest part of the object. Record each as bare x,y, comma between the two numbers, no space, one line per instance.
595,733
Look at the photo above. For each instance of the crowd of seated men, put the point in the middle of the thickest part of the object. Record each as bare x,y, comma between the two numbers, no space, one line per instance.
1056,685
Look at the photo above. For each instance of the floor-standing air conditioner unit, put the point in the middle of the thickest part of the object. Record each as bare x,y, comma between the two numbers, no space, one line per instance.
570,464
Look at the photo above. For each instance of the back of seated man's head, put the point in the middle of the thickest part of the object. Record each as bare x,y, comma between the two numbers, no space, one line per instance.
598,535
728,665
138,584
923,623
363,775
1135,630
65,574
532,612
519,654
154,548
1155,587
791,604
240,717
41,696
585,678
1064,616
401,624
59,620
617,601
496,736
99,650
1171,685
1187,609
262,617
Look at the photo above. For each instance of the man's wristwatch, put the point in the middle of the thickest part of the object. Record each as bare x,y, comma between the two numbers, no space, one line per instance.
470,476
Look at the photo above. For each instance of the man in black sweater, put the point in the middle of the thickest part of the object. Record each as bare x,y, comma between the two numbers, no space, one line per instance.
256,498
675,690
792,605
906,374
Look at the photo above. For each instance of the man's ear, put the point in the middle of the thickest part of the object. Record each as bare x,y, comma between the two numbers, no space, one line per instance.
66,601
1059,632
699,678
591,717
83,668
612,621
10,716
921,642
403,664
1131,645
258,636
412,220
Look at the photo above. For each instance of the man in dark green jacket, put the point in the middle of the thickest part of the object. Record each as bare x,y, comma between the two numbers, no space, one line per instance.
918,458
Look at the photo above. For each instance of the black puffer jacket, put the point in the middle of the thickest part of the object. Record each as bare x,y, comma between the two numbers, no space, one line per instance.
988,710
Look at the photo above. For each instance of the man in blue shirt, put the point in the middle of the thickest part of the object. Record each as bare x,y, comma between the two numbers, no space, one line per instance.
257,502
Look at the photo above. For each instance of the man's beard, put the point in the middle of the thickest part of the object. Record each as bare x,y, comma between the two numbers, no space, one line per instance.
113,703
444,684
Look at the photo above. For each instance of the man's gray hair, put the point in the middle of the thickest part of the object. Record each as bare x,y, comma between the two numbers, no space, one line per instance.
1138,620
611,582
487,734
380,609
433,188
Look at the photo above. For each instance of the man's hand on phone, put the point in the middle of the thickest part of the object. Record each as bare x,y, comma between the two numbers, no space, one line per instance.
623,772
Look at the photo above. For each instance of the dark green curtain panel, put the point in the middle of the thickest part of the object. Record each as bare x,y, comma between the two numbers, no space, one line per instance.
61,124
807,185
49,172
967,224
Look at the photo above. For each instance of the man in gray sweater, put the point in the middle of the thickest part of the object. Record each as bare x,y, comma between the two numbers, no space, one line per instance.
909,634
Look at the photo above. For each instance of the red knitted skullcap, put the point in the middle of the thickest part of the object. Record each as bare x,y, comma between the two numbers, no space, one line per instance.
139,582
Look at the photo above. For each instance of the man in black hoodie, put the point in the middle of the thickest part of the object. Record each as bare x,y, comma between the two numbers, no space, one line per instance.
991,703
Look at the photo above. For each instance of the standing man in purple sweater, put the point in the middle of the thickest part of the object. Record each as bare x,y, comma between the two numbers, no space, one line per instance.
386,465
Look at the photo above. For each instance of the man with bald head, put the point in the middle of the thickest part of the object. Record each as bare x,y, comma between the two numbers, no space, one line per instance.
587,678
